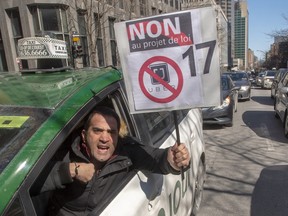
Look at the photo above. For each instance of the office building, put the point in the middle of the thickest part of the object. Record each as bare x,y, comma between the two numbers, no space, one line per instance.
241,34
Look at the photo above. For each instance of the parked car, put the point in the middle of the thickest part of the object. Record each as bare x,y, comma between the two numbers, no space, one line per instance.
281,103
267,78
40,113
241,79
223,114
278,76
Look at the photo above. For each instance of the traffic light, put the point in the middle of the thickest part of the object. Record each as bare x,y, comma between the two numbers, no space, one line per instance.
79,51
74,51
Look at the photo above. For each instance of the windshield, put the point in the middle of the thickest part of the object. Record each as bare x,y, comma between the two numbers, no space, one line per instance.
16,127
271,73
238,76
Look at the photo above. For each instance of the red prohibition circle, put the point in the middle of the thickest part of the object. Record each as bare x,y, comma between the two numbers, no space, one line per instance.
145,68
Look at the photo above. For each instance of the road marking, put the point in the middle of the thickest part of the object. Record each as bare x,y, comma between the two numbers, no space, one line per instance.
266,134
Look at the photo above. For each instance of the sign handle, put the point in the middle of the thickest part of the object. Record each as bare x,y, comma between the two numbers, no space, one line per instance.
177,137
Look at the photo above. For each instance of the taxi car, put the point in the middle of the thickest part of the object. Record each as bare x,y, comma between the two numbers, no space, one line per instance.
40,112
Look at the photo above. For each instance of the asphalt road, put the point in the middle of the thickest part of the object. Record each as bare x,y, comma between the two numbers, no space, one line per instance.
247,164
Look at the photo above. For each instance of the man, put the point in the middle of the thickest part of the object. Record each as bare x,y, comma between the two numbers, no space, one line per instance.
99,159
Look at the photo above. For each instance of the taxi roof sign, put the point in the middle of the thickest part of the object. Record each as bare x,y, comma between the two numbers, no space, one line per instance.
42,47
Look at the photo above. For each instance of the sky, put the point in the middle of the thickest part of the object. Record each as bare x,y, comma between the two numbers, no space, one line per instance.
265,17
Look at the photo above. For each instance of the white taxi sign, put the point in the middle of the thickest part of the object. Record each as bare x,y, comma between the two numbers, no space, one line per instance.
42,47
170,61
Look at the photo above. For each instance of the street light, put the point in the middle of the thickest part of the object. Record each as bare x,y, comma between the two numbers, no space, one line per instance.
264,52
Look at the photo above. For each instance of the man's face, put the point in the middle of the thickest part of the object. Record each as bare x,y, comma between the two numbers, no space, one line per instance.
101,137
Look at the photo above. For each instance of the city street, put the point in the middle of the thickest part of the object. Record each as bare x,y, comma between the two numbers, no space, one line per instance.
247,164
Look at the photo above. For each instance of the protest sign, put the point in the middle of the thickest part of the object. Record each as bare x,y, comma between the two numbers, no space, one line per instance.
170,61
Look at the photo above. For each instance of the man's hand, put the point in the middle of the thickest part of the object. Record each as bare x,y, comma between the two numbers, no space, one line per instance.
178,156
85,171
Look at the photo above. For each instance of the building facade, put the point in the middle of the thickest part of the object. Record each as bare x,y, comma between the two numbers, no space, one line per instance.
91,21
241,34
227,7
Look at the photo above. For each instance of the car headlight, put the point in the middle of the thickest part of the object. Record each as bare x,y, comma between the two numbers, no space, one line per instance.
225,103
244,88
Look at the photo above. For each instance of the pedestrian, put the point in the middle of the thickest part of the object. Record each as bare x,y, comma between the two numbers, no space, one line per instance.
99,161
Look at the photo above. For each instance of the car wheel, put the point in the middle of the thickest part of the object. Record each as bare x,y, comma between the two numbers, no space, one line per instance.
199,185
230,124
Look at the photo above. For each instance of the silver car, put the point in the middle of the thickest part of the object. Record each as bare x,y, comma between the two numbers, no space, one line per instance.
241,79
267,78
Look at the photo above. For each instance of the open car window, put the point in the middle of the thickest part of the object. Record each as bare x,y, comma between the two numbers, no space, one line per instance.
40,200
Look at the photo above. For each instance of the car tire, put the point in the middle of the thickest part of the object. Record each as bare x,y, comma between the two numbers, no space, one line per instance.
230,124
199,186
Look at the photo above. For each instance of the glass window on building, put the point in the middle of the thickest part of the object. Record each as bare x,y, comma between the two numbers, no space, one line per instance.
176,4
113,41
82,25
132,6
99,41
154,11
3,63
142,7
51,20
15,20
121,4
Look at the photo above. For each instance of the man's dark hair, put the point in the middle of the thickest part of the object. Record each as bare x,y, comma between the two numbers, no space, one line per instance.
102,110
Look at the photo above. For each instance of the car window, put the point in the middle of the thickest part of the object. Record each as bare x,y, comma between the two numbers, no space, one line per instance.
15,208
224,83
270,73
113,100
158,124
17,126
238,76
285,80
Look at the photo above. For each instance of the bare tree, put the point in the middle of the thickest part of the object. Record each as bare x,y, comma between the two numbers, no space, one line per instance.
96,21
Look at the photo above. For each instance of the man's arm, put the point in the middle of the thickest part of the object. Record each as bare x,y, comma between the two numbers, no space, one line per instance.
162,161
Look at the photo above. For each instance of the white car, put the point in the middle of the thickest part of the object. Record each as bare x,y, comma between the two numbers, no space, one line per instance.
267,79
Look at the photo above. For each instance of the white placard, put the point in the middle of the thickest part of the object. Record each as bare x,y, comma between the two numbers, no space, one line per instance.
170,61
